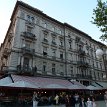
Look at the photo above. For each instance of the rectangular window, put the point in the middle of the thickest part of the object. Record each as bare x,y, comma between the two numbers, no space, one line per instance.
53,69
61,55
44,51
44,66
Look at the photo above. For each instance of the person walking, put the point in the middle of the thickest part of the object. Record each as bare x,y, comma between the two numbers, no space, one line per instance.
67,101
35,99
94,103
105,98
56,99
89,103
82,103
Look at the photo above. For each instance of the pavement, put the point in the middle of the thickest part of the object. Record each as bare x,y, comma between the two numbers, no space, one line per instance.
99,104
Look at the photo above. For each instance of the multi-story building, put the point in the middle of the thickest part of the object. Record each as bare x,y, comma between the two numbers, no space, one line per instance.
38,45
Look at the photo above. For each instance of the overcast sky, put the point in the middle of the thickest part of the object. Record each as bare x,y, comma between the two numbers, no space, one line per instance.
77,13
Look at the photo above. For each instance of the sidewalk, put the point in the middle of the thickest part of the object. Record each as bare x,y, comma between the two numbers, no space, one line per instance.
99,104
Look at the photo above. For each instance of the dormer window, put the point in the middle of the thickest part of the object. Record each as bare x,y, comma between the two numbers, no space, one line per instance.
45,25
32,19
28,17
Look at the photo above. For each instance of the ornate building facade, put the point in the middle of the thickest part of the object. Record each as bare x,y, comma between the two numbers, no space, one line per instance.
38,45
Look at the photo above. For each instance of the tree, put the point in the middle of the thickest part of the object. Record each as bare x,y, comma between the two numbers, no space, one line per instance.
100,18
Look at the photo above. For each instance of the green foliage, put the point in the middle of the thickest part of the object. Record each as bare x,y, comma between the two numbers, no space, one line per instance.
100,18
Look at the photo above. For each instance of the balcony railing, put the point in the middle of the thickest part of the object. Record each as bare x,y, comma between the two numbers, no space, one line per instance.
82,76
26,69
29,35
26,50
81,52
82,64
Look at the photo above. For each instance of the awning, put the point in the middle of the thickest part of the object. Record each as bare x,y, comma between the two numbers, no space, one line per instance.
22,84
96,84
103,84
43,83
5,81
90,87
78,84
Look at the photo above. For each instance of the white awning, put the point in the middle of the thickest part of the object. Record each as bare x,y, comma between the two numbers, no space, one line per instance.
90,87
5,81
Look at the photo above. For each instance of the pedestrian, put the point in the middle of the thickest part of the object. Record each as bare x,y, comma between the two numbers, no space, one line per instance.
82,103
105,98
94,103
89,103
56,99
35,99
76,96
67,101
72,100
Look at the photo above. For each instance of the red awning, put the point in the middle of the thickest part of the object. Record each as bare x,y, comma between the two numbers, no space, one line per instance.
43,83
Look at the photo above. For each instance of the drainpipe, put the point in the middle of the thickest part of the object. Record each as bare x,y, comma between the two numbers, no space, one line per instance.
65,53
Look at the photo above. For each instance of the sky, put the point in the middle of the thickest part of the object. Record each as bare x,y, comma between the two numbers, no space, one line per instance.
77,13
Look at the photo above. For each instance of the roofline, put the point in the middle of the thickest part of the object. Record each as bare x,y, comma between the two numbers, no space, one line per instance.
20,3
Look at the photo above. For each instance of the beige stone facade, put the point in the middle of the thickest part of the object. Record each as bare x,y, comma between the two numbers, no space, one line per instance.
36,44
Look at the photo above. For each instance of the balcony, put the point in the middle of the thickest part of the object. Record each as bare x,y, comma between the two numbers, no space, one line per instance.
45,41
26,69
28,51
61,47
82,76
6,52
81,52
29,35
82,64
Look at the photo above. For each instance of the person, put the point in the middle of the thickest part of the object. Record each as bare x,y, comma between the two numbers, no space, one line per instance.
89,103
56,99
35,99
82,103
72,100
105,98
76,96
94,103
67,101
